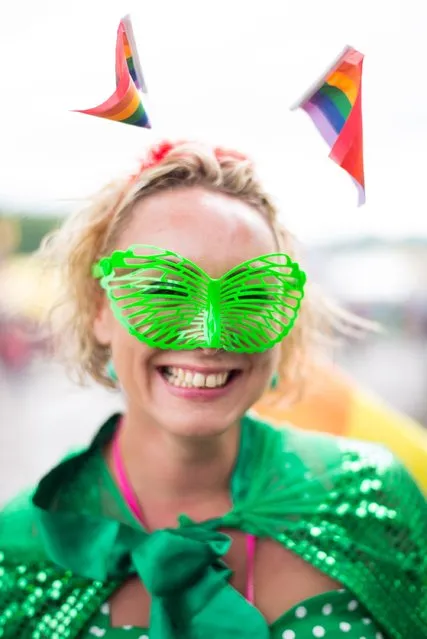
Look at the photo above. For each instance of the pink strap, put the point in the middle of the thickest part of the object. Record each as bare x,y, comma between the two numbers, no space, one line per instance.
132,502
124,485
250,554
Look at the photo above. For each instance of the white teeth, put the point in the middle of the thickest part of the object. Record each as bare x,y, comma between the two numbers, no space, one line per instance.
211,380
187,379
198,380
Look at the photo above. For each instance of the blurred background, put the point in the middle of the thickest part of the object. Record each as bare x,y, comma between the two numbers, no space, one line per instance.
225,72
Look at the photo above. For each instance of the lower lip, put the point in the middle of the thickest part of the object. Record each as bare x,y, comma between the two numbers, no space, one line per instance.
200,394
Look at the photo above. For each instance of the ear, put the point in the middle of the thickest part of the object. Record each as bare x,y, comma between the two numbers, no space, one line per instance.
103,323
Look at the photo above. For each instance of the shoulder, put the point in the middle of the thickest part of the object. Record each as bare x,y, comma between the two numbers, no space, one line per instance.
21,536
362,460
366,484
33,589
369,471
340,453
354,504
323,450
23,563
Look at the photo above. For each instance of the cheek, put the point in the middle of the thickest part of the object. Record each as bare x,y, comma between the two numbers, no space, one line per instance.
124,345
265,364
109,331
131,359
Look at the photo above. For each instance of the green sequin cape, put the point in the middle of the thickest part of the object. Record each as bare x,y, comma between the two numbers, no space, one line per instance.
348,508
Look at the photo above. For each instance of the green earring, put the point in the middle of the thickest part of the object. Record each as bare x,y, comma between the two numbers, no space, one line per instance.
111,371
274,381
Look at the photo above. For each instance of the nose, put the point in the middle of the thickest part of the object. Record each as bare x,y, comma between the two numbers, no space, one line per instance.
210,351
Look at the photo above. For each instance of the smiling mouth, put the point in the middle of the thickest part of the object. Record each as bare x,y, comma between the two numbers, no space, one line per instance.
186,378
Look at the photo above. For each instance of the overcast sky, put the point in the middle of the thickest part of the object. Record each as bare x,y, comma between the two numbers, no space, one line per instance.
225,71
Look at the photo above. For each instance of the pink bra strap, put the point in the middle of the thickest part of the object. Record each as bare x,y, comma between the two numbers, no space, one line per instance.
250,555
124,485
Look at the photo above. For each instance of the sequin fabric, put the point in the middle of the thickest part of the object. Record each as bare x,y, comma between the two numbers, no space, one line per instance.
349,509
41,601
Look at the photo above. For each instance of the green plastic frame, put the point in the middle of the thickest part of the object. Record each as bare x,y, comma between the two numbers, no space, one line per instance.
169,302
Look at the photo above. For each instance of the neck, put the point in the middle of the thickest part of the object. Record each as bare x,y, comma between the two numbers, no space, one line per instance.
171,474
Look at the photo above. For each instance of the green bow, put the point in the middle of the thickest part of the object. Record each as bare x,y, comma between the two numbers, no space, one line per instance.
191,597
172,560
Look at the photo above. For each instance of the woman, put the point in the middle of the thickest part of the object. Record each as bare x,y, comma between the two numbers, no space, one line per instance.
186,516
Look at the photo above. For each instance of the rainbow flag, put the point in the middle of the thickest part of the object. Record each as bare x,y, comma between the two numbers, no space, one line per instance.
126,103
334,104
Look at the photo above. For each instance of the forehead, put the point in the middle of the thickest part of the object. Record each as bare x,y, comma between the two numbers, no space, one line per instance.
214,230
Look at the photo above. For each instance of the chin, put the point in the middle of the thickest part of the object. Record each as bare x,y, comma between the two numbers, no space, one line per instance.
200,410
203,411
206,425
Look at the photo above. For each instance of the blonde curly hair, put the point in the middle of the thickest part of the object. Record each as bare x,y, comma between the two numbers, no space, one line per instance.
93,231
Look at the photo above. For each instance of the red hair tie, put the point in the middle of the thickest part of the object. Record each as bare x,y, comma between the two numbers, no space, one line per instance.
157,153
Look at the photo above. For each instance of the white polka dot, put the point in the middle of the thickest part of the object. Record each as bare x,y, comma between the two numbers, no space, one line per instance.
367,621
319,631
105,609
327,609
97,632
379,635
345,627
143,637
288,634
300,612
352,605
127,627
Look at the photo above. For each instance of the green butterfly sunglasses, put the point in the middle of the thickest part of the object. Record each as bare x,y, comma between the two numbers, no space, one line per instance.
169,302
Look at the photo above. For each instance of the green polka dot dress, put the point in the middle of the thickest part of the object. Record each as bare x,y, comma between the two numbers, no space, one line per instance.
332,615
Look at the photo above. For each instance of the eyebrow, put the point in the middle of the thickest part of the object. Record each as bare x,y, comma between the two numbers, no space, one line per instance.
189,267
183,262
197,269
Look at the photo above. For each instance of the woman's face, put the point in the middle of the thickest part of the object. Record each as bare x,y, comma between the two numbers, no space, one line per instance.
217,232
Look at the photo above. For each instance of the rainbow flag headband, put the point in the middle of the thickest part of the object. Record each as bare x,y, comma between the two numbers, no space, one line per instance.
168,302
334,102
